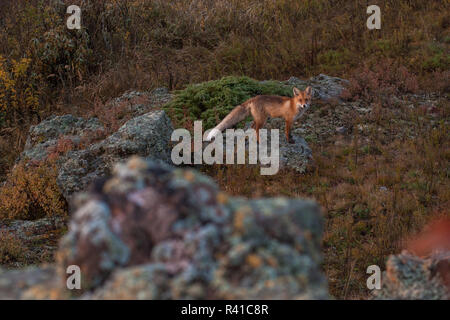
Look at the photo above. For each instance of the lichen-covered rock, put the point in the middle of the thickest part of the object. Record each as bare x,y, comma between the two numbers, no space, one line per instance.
409,277
295,155
138,103
45,135
154,232
90,229
198,242
147,135
88,153
324,87
143,282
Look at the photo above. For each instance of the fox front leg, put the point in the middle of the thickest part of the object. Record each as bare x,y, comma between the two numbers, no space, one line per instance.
288,132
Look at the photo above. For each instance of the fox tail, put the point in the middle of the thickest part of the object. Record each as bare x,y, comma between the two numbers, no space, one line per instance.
236,115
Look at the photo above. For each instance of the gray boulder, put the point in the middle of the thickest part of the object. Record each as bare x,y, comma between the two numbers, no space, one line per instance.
44,136
138,103
295,155
147,135
82,150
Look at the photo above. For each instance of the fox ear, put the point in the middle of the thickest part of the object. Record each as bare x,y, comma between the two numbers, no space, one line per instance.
308,91
296,91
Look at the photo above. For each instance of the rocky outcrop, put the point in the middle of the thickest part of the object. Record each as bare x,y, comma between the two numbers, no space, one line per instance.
409,277
138,103
324,87
147,135
296,155
43,137
83,150
154,232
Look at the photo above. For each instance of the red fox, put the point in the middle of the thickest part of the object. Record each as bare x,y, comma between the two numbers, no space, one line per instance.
262,107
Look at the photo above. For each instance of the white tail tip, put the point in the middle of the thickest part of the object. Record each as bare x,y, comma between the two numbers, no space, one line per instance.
212,134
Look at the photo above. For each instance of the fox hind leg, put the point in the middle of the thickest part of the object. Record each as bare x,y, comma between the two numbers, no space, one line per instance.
257,127
259,119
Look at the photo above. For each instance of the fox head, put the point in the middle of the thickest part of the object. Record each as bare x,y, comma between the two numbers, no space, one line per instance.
302,99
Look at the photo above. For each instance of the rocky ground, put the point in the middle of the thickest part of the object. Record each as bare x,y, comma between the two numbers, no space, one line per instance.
35,241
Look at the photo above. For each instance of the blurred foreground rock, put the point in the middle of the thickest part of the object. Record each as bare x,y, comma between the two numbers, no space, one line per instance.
422,271
409,277
154,232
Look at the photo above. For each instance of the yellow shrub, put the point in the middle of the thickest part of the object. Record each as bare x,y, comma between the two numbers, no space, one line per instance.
31,192
17,94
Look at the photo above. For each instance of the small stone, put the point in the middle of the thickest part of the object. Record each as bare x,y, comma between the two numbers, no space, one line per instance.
341,130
